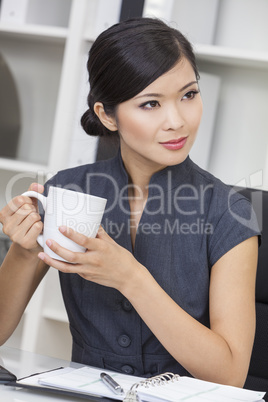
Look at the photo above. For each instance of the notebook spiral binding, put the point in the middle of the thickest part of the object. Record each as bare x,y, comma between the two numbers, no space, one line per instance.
159,380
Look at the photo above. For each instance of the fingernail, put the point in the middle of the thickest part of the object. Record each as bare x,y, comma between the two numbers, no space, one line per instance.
34,186
62,229
49,243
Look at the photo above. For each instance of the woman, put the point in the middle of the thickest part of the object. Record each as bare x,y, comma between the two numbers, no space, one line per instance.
168,284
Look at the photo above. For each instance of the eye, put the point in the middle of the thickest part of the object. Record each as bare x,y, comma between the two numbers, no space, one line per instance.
150,105
190,95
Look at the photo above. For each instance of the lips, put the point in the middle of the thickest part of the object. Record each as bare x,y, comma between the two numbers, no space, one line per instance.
174,144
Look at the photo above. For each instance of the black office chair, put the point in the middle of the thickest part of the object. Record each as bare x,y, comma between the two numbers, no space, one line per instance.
258,371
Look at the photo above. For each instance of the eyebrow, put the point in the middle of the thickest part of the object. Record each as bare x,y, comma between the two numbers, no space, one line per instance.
157,95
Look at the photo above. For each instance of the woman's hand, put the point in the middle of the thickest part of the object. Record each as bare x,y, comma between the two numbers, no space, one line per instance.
104,261
21,220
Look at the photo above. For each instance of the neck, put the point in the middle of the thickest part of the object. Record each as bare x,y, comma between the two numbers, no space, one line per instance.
139,178
139,174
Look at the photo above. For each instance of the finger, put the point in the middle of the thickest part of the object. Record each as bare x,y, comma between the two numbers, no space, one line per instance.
89,243
39,188
78,238
30,220
16,210
12,222
16,203
59,265
29,239
5,213
17,228
104,235
70,256
35,229
101,232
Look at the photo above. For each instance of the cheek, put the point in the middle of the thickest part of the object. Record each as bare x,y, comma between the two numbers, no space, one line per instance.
133,127
200,111
195,116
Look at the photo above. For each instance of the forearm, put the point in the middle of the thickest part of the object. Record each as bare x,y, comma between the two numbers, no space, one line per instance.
20,274
204,353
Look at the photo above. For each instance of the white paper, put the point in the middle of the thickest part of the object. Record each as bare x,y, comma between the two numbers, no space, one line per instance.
195,390
87,380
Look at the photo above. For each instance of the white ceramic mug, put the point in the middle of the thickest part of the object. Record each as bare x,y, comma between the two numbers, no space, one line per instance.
62,207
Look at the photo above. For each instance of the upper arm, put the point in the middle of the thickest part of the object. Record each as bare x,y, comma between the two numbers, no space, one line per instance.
232,299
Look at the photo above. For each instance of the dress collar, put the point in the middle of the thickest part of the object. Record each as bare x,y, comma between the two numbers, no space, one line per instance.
167,178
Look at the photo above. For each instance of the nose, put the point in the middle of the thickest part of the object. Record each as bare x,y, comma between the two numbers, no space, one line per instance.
173,118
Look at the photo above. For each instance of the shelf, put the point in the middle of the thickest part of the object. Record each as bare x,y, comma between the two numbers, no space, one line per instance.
89,38
34,31
20,166
53,314
224,55
232,56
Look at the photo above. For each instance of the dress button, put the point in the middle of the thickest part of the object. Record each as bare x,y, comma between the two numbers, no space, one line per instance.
124,341
127,306
127,369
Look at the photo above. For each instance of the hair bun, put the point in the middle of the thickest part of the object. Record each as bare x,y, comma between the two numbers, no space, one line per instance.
91,124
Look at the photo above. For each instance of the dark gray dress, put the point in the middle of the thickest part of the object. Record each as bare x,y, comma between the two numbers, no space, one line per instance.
190,220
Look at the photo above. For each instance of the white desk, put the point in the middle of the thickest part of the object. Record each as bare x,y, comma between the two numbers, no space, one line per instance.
23,364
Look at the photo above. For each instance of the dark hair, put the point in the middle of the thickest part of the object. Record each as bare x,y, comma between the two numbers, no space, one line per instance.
125,59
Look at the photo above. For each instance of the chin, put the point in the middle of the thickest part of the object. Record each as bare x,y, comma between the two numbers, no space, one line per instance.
176,159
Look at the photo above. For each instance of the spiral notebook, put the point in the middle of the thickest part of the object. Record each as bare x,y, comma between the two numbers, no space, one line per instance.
85,382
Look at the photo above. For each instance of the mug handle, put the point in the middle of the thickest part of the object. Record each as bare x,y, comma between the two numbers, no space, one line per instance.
43,201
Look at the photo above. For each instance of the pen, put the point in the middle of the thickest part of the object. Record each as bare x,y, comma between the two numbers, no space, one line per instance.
111,383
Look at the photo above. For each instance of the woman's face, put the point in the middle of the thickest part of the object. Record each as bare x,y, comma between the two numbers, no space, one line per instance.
158,126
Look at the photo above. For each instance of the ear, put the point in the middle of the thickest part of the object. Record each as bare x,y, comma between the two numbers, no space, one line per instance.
108,121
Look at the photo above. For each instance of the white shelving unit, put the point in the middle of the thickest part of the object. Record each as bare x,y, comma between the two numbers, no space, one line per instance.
34,31
48,64
232,56
240,145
